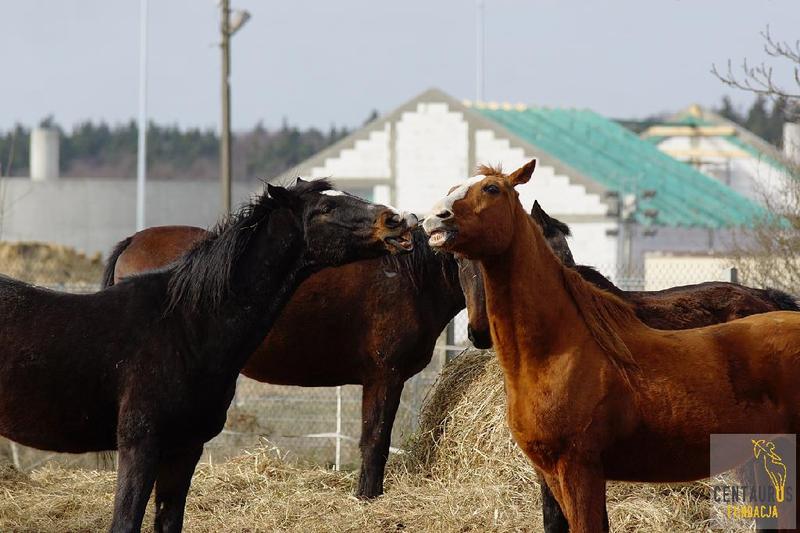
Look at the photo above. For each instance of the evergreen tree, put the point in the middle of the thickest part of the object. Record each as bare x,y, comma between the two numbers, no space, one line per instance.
758,118
775,122
728,111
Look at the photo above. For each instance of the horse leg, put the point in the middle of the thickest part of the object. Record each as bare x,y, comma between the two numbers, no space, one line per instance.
553,517
581,494
172,484
379,403
135,477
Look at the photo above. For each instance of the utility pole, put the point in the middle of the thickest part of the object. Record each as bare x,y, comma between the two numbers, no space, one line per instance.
141,156
228,28
225,138
628,210
480,54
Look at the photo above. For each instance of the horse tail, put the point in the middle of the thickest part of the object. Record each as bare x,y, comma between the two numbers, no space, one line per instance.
783,300
111,264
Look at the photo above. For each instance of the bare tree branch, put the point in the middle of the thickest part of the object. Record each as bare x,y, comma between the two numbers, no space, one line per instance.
759,79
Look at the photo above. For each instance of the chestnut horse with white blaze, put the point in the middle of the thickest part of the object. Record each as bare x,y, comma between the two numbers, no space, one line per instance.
594,393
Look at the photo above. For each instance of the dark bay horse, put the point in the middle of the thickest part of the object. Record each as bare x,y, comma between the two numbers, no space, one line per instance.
148,367
375,323
684,307
593,392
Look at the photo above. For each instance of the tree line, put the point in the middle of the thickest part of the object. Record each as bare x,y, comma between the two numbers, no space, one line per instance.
101,150
763,119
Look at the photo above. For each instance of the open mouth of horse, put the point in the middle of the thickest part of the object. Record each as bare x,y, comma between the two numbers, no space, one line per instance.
440,237
402,242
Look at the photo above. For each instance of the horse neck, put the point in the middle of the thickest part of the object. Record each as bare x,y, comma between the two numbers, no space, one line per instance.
263,279
444,288
527,300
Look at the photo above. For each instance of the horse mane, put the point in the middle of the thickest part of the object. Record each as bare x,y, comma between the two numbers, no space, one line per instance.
604,314
202,278
593,276
490,170
419,264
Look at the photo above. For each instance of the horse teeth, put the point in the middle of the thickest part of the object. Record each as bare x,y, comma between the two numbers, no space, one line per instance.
438,238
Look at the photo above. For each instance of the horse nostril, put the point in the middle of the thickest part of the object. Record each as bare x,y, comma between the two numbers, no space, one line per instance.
444,214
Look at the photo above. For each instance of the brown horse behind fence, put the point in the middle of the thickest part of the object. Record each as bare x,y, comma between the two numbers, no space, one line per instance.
375,323
594,393
689,306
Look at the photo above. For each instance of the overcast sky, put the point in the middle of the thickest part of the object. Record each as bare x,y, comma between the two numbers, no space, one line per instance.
323,62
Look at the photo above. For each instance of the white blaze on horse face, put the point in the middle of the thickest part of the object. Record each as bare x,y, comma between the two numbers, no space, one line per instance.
446,203
331,192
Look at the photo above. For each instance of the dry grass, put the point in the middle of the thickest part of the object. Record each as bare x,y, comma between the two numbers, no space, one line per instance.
48,264
461,473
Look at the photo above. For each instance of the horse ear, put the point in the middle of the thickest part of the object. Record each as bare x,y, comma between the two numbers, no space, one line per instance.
536,210
279,194
522,174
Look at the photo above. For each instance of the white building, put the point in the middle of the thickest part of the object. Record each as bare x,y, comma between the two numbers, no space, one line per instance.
93,214
412,155
722,149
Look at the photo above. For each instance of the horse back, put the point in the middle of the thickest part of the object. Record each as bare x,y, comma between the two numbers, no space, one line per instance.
342,325
154,248
62,358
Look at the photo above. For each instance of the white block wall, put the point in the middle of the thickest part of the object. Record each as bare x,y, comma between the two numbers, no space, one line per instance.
554,191
591,245
369,158
431,154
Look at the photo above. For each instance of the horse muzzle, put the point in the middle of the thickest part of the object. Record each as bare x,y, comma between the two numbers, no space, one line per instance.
440,233
399,226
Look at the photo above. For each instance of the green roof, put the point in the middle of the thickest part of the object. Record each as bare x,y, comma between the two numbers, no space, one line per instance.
619,160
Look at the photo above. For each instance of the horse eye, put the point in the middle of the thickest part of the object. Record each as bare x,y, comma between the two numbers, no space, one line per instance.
491,188
324,209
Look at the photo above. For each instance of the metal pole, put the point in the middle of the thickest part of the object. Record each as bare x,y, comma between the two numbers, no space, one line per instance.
628,250
338,460
479,52
141,156
225,140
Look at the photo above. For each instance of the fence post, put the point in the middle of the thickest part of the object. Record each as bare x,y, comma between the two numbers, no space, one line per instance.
15,455
338,460
734,275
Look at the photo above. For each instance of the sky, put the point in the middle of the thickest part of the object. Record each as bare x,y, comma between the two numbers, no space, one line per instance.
318,63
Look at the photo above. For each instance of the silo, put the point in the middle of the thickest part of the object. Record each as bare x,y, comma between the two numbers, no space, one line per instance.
791,141
44,154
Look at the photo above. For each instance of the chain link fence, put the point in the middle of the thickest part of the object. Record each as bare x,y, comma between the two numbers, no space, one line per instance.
323,425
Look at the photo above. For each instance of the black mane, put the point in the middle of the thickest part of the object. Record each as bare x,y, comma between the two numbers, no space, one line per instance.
422,262
201,279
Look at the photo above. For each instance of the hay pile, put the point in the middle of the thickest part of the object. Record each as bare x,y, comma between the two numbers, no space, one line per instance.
461,473
49,264
261,492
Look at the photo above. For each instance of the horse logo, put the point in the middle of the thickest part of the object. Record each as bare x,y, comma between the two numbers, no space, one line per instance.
775,468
